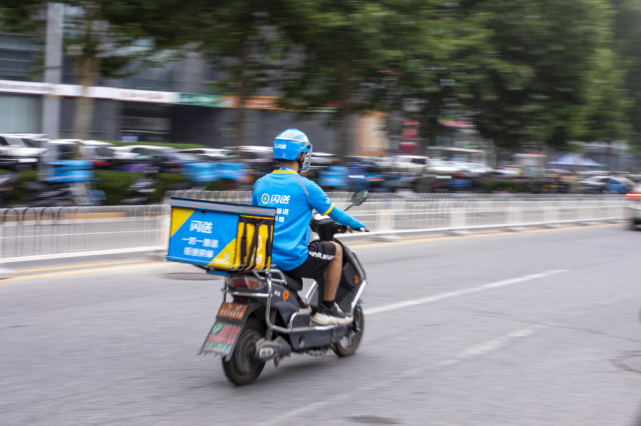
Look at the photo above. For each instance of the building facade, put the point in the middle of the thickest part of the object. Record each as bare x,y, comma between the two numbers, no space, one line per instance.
169,102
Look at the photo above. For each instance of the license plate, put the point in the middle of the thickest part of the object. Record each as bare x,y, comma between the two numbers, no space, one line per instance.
234,311
443,177
221,338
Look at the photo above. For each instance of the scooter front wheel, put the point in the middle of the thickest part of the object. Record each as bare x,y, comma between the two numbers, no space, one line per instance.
242,369
351,341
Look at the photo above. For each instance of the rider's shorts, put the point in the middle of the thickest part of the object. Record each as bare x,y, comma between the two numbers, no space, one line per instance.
318,258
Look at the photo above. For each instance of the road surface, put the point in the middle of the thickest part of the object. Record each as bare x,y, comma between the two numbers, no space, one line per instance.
531,328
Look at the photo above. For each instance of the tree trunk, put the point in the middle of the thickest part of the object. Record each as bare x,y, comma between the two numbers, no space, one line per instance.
243,93
87,74
86,68
344,140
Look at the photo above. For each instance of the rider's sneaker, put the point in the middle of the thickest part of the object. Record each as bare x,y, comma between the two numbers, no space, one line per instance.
325,316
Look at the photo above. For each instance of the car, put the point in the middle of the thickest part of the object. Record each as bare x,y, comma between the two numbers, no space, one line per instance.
71,148
410,163
508,172
166,160
131,151
475,168
634,207
442,169
259,158
605,185
210,154
20,151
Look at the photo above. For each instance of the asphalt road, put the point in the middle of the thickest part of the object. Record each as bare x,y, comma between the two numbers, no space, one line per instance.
532,328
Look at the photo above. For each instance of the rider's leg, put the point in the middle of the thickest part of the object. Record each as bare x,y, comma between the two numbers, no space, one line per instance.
332,274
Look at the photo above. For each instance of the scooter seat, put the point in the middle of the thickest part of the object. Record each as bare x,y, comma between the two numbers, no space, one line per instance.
293,283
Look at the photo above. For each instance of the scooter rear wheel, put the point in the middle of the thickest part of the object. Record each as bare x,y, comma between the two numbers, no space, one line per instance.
352,340
242,369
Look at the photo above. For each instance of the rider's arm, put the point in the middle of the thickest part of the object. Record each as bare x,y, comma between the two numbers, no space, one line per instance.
344,218
323,205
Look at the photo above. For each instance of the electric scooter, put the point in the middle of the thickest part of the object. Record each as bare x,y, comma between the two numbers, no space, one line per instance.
266,319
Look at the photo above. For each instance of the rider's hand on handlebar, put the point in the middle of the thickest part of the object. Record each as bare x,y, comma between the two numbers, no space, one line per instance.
364,229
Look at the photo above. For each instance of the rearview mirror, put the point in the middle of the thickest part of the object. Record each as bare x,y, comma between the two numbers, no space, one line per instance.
359,197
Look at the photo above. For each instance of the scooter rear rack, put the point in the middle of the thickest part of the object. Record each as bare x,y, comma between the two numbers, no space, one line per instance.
268,278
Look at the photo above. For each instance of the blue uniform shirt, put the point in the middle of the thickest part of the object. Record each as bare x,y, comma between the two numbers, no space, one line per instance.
294,197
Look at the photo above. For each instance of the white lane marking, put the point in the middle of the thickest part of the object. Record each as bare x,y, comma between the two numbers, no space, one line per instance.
473,351
480,349
496,344
450,294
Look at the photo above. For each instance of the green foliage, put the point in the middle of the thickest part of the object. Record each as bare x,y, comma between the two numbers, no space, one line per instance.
165,179
491,185
538,80
361,55
114,184
535,73
19,194
627,30
238,37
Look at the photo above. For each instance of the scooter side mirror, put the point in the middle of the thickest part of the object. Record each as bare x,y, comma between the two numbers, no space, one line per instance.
359,197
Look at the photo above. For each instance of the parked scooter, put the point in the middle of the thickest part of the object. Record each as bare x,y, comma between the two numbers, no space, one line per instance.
267,319
142,188
48,194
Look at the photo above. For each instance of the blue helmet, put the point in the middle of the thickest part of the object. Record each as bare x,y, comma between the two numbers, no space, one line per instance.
290,144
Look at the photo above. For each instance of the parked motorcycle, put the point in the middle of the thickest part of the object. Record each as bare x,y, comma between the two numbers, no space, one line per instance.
266,319
48,194
141,189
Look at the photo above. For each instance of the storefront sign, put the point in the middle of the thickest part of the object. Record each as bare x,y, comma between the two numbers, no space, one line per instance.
144,96
152,96
202,100
255,102
24,87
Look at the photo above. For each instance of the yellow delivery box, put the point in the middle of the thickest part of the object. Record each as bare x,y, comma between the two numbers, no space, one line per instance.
233,237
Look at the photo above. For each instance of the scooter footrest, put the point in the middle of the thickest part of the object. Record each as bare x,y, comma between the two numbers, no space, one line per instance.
270,349
300,319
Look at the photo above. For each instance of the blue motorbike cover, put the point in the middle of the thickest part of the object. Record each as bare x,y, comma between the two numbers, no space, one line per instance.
223,335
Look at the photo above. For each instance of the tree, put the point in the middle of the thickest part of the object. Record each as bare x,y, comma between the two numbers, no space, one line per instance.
238,38
376,55
535,87
96,44
242,44
627,31
343,49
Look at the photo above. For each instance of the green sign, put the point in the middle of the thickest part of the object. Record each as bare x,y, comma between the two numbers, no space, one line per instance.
202,100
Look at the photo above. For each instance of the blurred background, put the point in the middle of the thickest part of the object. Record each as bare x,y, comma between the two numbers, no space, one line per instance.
425,96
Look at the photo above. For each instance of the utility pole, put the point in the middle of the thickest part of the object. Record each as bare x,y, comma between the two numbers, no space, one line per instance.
53,69
52,76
